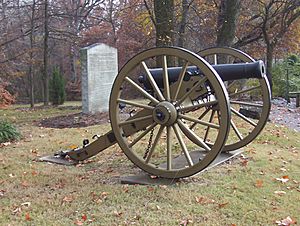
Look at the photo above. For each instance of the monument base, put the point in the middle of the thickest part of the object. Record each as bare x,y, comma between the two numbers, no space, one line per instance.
146,179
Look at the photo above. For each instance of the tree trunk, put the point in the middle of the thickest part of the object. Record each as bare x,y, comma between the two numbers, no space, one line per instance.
46,36
183,22
164,18
31,73
270,56
227,21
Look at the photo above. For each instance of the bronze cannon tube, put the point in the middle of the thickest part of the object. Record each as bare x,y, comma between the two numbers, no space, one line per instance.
226,72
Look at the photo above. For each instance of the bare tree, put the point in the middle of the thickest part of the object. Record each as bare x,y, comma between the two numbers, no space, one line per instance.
277,16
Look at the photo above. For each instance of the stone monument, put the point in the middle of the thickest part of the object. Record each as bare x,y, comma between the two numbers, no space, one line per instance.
99,67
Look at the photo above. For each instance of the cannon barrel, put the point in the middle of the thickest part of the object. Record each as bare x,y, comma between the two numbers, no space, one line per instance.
226,72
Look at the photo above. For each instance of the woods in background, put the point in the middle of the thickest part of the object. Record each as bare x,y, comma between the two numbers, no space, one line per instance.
37,36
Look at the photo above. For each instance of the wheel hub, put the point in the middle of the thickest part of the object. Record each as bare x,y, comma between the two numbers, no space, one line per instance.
165,113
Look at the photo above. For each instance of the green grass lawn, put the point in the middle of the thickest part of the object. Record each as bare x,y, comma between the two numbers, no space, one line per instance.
259,188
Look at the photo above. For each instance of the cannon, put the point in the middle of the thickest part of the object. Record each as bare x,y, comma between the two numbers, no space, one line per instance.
169,102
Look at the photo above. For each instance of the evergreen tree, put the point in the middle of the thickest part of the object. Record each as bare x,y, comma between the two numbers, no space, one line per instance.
57,88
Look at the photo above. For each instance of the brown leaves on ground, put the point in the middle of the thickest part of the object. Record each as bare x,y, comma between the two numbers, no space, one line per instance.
83,219
27,217
280,193
118,213
283,179
185,222
259,183
286,222
204,200
99,198
68,199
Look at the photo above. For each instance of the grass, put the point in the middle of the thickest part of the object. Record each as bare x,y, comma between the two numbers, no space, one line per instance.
240,193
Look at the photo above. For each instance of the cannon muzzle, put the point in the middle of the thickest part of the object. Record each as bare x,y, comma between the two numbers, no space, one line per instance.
226,72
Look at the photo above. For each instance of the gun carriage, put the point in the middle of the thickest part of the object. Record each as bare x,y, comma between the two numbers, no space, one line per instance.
169,102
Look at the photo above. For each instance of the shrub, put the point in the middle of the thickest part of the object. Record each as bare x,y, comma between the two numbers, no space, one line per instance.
57,88
279,73
8,132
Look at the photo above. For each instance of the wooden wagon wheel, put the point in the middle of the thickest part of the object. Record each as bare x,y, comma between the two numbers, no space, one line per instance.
250,102
166,114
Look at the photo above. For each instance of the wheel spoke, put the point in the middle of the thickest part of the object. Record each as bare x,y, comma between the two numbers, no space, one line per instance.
132,103
180,80
235,129
243,117
215,59
142,91
193,136
231,84
244,91
142,135
134,120
182,144
201,116
246,103
202,80
154,144
210,120
169,149
152,82
205,104
166,79
192,119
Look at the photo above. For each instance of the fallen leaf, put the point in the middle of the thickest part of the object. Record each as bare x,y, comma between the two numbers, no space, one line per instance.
84,217
73,147
68,199
258,183
25,184
163,186
104,195
221,205
204,200
283,179
296,182
244,162
2,193
26,204
117,214
137,217
17,210
150,188
125,188
34,173
279,192
78,222
185,222
283,169
286,222
27,217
